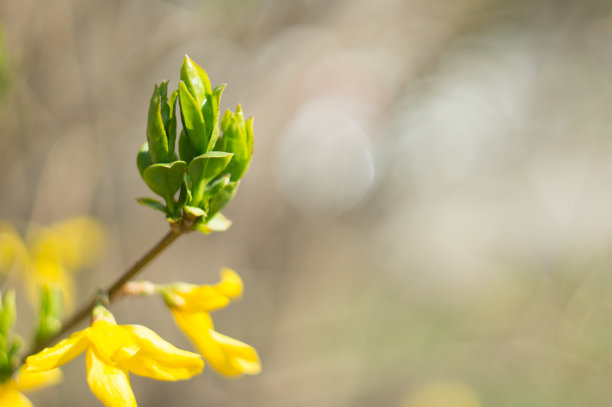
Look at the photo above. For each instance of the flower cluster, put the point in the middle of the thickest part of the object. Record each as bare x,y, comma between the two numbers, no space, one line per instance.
47,260
113,351
51,255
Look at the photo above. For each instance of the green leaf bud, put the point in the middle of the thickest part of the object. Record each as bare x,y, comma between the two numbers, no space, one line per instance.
8,314
196,81
50,316
237,139
193,121
156,132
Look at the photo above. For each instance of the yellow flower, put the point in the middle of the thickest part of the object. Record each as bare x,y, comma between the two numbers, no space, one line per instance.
53,254
24,381
113,351
190,306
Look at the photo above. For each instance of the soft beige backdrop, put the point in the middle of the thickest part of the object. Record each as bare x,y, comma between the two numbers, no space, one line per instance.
427,220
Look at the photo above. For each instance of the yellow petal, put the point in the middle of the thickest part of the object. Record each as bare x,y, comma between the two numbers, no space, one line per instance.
109,383
235,357
10,397
27,380
228,356
230,284
202,298
112,342
159,359
62,353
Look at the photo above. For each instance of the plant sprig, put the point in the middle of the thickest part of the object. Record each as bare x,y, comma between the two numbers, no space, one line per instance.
210,162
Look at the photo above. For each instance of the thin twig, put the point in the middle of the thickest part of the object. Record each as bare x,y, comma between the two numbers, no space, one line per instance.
114,289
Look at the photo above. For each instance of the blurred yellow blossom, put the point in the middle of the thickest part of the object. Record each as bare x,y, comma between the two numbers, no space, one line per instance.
12,248
114,351
190,306
25,381
52,254
443,394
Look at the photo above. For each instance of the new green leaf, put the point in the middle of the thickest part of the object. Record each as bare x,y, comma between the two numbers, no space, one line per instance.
193,121
165,179
156,132
143,159
152,203
196,80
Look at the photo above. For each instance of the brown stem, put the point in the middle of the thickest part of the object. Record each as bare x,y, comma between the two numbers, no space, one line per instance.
111,292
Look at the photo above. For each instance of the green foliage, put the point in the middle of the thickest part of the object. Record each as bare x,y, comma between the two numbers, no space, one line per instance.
203,169
9,343
212,162
50,318
161,125
221,199
152,203
237,139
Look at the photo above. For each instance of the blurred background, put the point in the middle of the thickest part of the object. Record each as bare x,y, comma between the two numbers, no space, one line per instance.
427,218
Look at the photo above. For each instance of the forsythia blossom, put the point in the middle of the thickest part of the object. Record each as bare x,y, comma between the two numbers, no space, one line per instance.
114,351
24,381
190,306
52,254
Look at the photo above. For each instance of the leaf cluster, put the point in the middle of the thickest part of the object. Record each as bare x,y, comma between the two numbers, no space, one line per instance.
201,176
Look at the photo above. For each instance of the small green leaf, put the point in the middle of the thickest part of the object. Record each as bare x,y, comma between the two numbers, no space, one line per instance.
186,151
9,313
224,197
216,95
209,118
49,320
214,135
239,117
207,166
193,121
216,186
152,203
156,133
165,108
235,140
143,159
196,80
203,169
225,120
249,133
165,179
171,123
